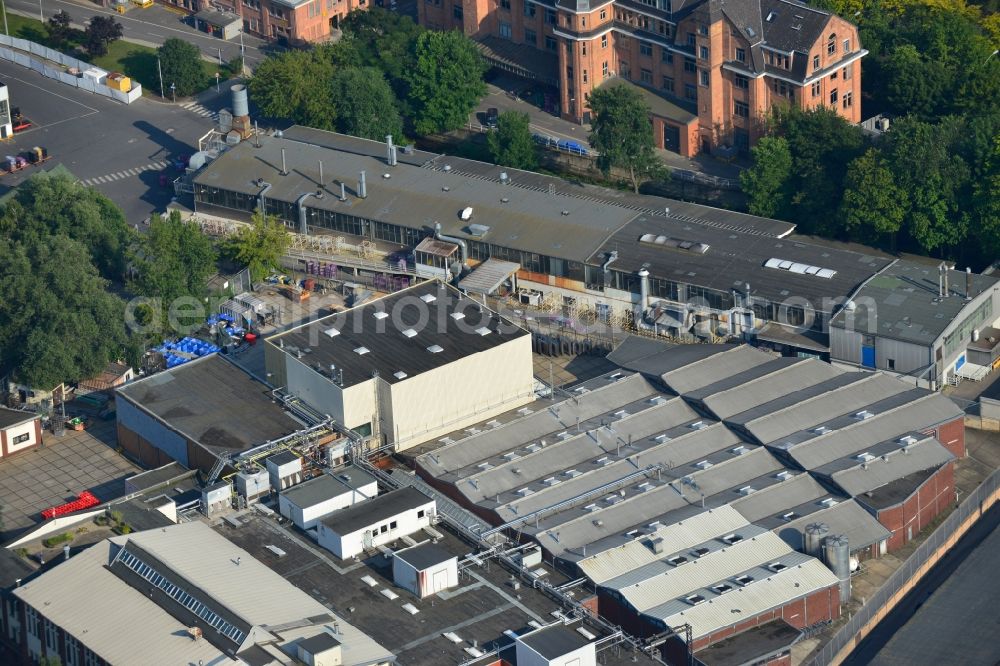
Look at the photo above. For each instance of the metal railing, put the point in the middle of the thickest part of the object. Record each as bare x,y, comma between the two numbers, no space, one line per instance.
890,592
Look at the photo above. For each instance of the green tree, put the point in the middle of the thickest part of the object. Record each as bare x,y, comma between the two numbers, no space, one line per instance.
935,180
366,106
915,84
181,65
987,205
622,133
48,204
446,81
101,31
50,660
766,182
172,260
874,206
260,245
386,40
295,85
511,144
58,323
59,29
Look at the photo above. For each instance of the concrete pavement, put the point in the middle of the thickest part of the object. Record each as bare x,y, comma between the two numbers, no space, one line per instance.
149,27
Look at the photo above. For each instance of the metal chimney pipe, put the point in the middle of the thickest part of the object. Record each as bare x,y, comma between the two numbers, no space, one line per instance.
343,191
66,552
321,173
945,273
362,187
284,170
256,134
968,283
941,280
390,151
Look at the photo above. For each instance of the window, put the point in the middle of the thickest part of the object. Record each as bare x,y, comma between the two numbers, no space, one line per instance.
569,72
691,39
848,99
741,109
456,11
420,514
550,43
583,48
703,30
604,68
645,48
550,17
741,55
848,73
666,56
624,70
529,10
890,361
583,21
646,76
51,638
604,14
815,89
505,4
831,45
604,41
833,77
530,37
689,65
741,82
71,651
703,53
585,76
89,658
668,84
32,621
847,46
702,77
815,62
505,29
833,96
374,533
383,529
393,525
690,92
20,439
784,89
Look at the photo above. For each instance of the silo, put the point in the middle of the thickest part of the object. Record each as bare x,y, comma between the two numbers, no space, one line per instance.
240,106
812,539
837,553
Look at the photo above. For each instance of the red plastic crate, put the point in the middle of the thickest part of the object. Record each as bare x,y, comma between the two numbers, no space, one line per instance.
84,500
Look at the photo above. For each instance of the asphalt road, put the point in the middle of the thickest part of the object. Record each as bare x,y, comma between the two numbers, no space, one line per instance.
121,148
950,616
150,26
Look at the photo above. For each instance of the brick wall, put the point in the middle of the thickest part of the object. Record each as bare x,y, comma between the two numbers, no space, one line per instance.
906,519
952,435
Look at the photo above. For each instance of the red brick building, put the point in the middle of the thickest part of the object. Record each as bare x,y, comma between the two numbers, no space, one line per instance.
719,66
294,21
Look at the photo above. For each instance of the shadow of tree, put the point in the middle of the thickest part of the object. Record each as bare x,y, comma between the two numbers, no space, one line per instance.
140,65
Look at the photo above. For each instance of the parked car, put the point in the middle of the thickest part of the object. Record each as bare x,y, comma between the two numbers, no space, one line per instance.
492,117
572,147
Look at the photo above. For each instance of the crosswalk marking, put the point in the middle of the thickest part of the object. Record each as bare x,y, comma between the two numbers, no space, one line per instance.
124,173
195,107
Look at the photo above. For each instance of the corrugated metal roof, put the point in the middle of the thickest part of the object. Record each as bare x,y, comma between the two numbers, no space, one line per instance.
799,489
754,599
634,554
111,618
864,476
847,518
717,367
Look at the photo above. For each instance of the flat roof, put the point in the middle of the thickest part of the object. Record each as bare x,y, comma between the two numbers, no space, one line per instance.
553,641
383,507
410,332
13,417
907,302
217,18
423,556
214,403
319,643
159,476
327,486
750,646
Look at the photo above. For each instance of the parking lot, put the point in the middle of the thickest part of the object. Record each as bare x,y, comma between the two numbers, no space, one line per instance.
120,149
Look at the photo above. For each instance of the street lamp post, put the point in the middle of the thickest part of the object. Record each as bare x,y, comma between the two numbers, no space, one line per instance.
216,82
41,17
243,58
995,51
220,56
173,93
159,69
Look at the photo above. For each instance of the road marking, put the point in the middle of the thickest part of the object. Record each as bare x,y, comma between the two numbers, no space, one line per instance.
153,34
58,122
119,175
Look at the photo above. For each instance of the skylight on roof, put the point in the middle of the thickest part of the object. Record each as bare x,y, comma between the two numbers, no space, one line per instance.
361,351
399,374
380,314
482,330
799,268
409,333
428,298
457,315
435,349
332,332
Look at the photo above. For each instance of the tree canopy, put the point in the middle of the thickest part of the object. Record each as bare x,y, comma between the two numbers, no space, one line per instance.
174,259
101,31
47,204
446,81
58,322
365,104
622,133
511,144
260,245
767,181
181,65
296,85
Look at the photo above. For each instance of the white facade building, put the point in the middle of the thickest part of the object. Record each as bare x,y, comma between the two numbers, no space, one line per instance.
376,522
19,431
555,645
307,503
425,569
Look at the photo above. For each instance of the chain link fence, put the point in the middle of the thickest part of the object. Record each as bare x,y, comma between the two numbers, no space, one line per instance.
915,566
